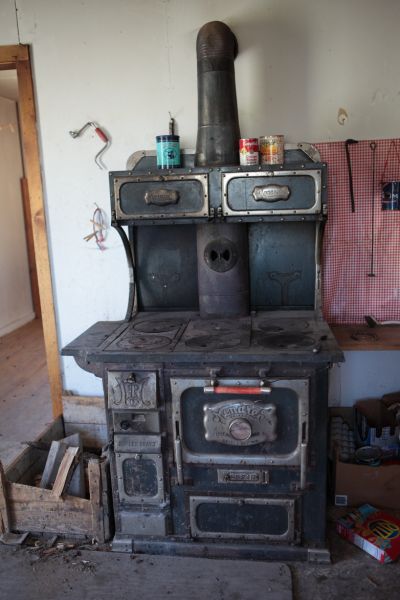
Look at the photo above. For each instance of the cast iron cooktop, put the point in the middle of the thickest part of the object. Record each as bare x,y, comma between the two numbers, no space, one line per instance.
187,332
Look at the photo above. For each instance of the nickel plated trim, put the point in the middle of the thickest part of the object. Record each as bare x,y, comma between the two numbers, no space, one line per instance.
318,250
135,158
202,178
299,386
196,501
314,174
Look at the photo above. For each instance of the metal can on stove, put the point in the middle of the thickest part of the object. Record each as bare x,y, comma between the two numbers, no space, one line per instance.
168,151
272,149
248,151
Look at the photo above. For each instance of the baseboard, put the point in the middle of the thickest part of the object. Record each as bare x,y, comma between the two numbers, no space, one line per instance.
17,323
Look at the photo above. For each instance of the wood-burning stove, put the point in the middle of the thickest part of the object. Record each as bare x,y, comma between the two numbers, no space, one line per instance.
216,381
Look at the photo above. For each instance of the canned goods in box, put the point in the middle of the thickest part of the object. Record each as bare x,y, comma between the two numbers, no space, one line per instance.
248,151
272,149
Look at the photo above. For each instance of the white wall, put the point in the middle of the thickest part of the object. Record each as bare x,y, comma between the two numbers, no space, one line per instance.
364,375
126,64
15,291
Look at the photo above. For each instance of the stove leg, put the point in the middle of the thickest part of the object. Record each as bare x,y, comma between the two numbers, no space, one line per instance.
122,544
319,555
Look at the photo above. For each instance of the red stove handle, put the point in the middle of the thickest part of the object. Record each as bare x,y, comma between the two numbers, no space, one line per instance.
237,389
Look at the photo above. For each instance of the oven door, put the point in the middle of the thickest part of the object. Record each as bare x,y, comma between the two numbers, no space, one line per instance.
229,425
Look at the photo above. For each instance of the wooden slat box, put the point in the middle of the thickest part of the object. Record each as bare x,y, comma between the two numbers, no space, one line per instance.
24,507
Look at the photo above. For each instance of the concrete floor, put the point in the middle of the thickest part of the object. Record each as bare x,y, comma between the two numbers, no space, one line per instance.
353,575
77,574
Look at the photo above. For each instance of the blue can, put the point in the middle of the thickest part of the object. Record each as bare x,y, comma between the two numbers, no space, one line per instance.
168,151
390,195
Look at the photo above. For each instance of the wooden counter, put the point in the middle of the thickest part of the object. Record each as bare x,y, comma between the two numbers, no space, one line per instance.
362,337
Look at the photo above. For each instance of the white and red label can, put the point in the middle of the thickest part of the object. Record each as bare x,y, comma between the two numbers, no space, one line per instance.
248,151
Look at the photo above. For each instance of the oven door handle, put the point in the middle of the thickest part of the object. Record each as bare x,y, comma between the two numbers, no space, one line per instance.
237,389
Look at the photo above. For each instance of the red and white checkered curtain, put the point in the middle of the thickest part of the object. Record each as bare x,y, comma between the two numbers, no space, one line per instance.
348,293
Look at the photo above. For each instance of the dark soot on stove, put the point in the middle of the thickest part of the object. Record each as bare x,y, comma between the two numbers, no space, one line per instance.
143,342
212,342
284,340
157,326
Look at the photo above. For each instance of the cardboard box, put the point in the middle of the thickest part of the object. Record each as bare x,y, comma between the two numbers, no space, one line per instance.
372,530
357,484
354,484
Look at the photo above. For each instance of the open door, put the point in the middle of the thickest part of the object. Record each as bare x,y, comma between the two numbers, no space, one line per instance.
17,57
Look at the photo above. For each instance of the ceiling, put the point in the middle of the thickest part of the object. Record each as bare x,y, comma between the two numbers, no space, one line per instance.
9,84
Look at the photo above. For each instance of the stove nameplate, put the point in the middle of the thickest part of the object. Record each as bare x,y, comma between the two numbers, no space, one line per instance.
240,423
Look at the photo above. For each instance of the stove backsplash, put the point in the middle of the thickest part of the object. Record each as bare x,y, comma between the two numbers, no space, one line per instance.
265,266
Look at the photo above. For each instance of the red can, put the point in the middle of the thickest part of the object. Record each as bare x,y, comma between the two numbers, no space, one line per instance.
248,151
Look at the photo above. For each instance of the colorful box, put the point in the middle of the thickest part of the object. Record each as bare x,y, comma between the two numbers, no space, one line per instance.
372,530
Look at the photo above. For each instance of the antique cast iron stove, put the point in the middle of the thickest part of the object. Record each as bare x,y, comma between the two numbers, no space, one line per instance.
216,381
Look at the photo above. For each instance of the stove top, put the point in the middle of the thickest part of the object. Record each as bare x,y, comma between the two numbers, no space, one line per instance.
184,334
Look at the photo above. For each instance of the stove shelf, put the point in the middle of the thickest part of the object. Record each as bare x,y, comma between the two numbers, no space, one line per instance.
362,337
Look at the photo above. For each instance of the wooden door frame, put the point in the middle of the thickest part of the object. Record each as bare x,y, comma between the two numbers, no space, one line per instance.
17,57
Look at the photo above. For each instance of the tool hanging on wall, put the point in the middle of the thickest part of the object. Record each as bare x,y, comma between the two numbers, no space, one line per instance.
391,188
99,222
372,322
347,144
371,269
101,134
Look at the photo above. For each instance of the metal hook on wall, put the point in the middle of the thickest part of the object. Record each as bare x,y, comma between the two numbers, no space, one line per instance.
101,134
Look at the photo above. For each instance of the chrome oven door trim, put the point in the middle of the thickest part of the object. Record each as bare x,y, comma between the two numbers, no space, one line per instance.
295,458
287,536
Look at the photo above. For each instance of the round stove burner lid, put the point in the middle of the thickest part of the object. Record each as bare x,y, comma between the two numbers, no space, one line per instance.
285,340
157,325
212,342
143,342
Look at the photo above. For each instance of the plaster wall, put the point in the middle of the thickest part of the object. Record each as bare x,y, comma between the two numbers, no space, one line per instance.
126,64
15,291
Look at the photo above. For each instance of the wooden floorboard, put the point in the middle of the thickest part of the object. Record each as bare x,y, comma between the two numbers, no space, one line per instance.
110,576
25,405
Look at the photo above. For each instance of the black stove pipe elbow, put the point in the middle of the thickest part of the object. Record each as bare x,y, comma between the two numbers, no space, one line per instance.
218,123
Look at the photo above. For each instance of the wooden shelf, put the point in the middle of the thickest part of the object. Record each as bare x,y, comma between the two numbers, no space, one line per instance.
362,337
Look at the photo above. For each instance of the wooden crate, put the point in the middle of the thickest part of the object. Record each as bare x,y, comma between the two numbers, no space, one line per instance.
24,507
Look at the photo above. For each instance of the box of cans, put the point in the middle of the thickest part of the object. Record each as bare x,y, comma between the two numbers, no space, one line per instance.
365,474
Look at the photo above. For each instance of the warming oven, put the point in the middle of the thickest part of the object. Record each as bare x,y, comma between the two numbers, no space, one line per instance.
216,381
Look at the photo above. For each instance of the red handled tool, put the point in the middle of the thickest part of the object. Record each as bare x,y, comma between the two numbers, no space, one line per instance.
102,135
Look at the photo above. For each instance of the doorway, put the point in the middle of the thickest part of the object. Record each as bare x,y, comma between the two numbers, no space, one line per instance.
15,60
